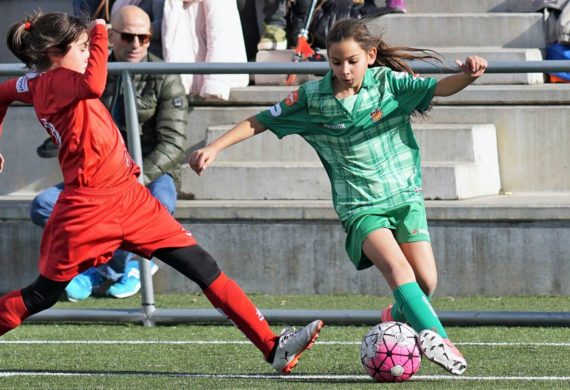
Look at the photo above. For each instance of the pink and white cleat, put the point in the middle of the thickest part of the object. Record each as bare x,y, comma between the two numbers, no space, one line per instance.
442,352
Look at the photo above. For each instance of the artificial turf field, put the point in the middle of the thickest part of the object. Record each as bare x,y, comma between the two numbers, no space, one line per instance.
129,356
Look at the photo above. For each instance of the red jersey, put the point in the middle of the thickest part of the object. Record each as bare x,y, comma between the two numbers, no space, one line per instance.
92,152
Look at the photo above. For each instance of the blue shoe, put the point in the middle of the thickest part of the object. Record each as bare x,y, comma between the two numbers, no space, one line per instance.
130,282
81,287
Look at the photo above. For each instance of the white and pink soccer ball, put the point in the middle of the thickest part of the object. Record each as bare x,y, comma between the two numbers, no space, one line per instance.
390,352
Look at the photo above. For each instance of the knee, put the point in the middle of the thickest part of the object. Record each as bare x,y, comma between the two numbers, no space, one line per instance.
42,294
40,210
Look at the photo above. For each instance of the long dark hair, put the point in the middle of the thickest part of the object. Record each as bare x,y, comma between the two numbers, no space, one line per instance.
37,35
393,57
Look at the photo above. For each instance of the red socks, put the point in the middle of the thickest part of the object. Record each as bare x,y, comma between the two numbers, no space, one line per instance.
12,311
227,296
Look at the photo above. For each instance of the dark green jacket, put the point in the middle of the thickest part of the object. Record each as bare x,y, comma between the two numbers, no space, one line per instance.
163,115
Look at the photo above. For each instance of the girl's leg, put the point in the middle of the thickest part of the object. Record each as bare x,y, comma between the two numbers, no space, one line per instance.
420,256
228,297
20,304
381,248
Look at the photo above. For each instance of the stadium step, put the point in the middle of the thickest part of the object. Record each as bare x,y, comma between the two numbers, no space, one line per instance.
474,94
449,54
438,143
460,162
461,6
522,30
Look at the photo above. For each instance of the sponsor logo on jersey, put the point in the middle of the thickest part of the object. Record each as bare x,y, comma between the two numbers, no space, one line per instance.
334,126
402,75
276,110
376,115
292,98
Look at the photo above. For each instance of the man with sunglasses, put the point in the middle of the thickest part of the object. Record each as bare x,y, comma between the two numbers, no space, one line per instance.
163,114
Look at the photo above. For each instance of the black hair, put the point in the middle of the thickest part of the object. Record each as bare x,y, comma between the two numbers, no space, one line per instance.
33,39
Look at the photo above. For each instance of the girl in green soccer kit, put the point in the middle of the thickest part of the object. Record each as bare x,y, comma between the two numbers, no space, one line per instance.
357,118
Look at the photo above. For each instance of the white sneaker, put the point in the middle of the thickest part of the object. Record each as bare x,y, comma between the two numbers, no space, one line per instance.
442,352
293,343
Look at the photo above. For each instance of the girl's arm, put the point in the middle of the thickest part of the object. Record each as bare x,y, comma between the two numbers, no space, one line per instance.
202,158
472,68
93,82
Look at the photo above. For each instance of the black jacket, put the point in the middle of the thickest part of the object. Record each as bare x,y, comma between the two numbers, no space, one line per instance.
162,110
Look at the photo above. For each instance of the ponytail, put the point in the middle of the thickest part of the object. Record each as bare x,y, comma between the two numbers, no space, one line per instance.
32,39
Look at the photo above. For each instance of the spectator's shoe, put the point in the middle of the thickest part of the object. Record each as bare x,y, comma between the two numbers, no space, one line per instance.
292,344
274,38
130,282
386,315
48,149
82,286
398,6
442,352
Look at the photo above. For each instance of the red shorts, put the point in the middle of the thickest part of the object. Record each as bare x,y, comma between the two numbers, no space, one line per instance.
88,225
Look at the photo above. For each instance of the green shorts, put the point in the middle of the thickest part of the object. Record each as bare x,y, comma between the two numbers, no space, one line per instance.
408,222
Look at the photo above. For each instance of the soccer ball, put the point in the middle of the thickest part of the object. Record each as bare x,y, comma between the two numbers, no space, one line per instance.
390,353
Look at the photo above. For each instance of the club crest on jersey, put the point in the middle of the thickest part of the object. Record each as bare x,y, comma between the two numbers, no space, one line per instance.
292,98
376,115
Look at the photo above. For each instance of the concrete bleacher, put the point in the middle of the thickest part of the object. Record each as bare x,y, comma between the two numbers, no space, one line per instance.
263,208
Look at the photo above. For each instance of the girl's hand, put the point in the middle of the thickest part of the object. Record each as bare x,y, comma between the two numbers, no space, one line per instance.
473,66
1,162
202,158
95,22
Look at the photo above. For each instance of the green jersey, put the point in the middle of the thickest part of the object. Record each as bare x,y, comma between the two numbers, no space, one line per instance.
369,152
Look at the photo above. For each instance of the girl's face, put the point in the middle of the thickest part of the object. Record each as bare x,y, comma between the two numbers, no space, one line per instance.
77,56
349,62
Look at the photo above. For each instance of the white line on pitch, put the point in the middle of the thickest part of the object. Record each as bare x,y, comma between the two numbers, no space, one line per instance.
223,342
294,377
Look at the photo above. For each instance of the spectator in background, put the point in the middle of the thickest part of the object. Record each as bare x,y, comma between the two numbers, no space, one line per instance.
204,31
274,24
163,114
155,10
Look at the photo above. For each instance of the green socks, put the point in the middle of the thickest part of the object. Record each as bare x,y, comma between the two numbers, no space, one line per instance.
413,305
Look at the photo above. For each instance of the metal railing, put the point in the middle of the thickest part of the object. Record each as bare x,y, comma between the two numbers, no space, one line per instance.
149,313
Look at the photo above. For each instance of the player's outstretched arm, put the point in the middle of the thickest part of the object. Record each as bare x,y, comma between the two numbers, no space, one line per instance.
471,69
202,158
1,162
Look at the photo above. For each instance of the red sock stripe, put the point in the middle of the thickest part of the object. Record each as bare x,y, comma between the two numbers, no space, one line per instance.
12,311
226,295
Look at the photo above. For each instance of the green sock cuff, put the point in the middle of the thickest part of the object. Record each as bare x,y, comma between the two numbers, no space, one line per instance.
408,291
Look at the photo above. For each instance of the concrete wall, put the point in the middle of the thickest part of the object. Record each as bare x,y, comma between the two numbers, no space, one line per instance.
308,257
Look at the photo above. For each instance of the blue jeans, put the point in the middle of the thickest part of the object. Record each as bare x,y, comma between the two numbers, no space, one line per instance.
162,188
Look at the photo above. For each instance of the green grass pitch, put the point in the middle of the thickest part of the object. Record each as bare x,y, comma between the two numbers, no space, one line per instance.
129,356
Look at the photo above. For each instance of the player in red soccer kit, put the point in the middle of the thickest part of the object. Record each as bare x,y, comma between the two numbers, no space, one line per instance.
103,207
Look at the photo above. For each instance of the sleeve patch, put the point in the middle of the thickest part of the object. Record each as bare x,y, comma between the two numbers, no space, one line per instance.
22,84
178,102
292,98
276,110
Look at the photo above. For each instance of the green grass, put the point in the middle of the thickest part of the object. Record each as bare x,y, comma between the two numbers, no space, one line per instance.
335,357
